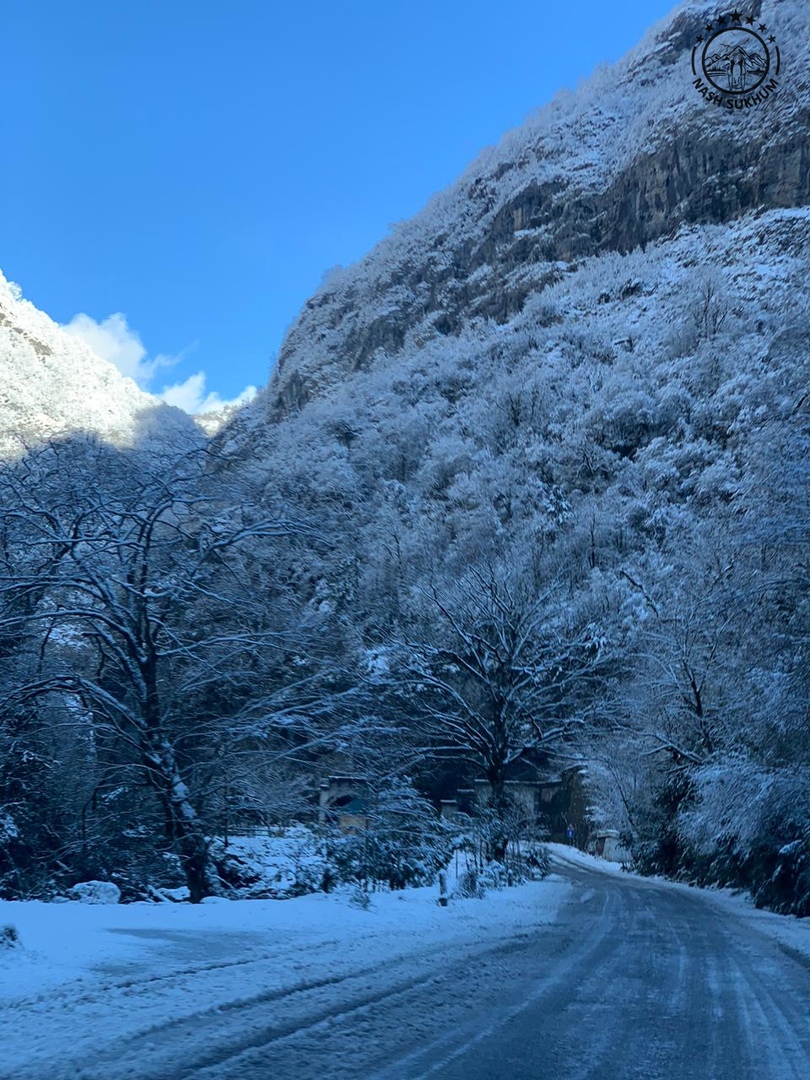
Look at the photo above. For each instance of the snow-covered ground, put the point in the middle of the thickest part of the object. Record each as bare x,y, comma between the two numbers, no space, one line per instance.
164,991
85,973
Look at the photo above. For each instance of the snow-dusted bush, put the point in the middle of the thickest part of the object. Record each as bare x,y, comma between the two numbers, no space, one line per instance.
475,880
469,885
360,898
401,844
404,844
386,857
537,861
9,937
278,867
95,892
750,825
476,871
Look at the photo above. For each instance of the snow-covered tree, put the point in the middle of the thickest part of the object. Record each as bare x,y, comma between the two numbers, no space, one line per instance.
507,671
127,580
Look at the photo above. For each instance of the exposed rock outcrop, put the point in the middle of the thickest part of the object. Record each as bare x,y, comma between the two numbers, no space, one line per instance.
631,156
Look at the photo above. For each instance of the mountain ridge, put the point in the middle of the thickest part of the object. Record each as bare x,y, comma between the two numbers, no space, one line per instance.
53,385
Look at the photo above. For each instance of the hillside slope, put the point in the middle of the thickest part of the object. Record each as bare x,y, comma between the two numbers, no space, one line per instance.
582,371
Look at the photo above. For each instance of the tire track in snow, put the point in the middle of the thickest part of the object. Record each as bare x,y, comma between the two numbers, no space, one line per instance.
179,1048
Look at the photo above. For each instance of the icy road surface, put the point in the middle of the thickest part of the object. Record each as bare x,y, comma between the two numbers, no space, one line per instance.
591,975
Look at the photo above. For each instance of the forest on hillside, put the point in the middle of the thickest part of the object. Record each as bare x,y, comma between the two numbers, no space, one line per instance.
578,536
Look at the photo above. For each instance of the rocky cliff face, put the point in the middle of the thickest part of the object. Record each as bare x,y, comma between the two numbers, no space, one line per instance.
629,158
52,384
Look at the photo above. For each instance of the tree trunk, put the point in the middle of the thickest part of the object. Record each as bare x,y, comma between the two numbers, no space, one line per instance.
183,826
194,858
496,775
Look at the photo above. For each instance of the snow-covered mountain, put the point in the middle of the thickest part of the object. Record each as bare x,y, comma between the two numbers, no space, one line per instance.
629,158
52,384
616,294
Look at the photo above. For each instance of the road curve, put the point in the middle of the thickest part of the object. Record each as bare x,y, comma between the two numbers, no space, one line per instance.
638,980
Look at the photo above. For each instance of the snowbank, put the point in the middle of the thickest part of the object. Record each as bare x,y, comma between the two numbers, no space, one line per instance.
84,971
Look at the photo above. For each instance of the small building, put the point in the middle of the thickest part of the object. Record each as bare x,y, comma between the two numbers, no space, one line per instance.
344,801
556,806
607,845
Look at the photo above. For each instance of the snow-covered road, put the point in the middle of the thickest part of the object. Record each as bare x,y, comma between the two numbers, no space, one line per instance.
588,975
639,979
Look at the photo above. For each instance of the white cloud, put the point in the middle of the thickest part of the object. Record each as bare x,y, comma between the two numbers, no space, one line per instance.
190,396
116,341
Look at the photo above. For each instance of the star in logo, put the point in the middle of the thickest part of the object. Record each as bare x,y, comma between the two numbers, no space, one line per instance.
750,20
709,27
771,39
736,16
699,41
762,28
722,20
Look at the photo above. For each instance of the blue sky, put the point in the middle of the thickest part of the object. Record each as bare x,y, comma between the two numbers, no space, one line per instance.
193,168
